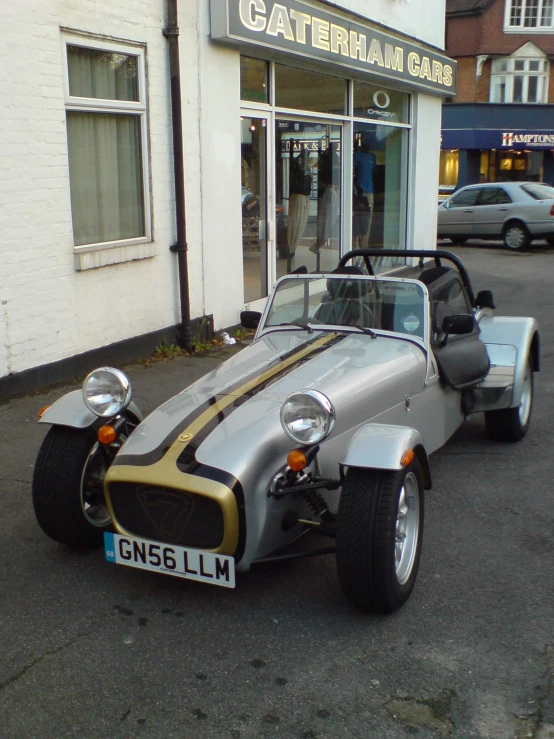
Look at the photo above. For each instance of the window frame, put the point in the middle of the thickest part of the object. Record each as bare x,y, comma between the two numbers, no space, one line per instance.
521,27
510,73
137,108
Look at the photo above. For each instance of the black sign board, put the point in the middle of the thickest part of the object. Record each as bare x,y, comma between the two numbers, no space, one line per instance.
297,29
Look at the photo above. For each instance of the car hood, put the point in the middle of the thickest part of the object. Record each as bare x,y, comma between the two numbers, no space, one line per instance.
239,403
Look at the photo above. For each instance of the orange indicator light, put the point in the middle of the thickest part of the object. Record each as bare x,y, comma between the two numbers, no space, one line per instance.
106,434
297,460
42,411
407,457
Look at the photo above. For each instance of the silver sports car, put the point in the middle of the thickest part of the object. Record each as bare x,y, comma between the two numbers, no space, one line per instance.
516,212
323,425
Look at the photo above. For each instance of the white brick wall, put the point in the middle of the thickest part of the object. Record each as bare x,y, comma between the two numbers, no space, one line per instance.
50,311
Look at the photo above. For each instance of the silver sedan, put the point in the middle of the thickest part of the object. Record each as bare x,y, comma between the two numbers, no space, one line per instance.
517,212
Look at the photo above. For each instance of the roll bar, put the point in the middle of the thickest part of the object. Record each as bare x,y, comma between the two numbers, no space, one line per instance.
436,256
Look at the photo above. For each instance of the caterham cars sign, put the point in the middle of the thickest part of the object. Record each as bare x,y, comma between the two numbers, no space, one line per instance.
298,29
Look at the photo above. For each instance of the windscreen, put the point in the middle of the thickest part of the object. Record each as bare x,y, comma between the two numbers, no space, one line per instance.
348,300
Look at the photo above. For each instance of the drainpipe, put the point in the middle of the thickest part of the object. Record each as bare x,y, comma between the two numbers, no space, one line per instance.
184,333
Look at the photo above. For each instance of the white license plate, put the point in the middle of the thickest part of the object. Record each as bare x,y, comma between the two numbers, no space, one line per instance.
192,564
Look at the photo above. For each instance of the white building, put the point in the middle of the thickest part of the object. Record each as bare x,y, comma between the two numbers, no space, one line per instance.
285,107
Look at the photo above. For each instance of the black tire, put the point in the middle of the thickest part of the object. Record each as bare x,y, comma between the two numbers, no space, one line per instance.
67,488
511,424
367,526
461,240
516,236
549,240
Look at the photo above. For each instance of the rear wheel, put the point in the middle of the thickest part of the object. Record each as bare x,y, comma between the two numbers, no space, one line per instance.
461,240
379,534
516,236
68,494
511,424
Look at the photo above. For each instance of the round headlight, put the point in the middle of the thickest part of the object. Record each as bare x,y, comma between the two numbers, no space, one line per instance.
106,391
307,416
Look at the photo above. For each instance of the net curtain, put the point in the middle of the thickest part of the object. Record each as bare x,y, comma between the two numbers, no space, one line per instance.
105,163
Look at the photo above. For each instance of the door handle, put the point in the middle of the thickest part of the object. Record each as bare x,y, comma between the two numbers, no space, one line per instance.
503,209
469,210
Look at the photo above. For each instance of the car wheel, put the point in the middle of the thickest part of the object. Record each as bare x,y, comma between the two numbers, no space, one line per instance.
461,240
379,534
516,236
511,424
549,240
68,494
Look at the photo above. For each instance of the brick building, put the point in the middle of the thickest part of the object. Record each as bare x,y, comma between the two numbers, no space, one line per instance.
500,125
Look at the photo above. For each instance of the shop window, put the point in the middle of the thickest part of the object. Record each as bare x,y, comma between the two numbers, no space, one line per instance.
379,186
516,80
302,90
308,165
106,131
529,14
254,85
380,104
448,169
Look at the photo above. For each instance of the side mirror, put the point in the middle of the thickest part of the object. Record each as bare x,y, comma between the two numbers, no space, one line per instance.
250,318
457,324
485,299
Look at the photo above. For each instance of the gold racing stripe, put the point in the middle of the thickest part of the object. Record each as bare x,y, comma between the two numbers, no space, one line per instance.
198,424
165,472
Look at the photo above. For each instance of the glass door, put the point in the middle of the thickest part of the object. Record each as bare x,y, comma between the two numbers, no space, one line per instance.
307,195
255,206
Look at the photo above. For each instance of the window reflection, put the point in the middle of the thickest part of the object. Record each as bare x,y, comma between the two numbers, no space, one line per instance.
378,187
297,88
308,170
253,80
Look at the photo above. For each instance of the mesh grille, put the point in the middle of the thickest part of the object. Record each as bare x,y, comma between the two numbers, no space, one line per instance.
164,514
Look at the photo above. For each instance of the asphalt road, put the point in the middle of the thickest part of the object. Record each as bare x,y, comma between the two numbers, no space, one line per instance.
88,649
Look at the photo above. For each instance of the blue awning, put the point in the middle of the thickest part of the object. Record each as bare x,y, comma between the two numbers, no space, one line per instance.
497,126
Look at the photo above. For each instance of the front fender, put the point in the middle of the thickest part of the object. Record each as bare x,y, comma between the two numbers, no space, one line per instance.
381,446
70,410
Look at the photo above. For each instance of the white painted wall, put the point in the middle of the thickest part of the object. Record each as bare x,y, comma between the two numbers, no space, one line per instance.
422,231
422,19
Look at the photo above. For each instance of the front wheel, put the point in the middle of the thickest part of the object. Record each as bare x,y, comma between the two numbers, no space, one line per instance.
379,535
516,237
511,424
68,494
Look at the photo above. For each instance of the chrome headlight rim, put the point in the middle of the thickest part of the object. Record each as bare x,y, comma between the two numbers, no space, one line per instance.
324,403
116,406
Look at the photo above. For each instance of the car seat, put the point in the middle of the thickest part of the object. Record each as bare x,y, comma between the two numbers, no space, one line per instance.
347,303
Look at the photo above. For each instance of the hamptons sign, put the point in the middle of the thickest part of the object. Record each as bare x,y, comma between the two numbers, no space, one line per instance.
528,140
293,27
